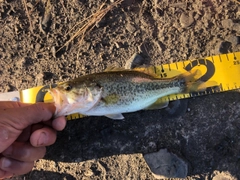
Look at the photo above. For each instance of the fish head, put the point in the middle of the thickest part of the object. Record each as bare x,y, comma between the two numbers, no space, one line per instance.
75,97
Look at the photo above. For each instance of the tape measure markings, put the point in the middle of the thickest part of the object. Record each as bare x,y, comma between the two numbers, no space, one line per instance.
221,58
169,67
176,97
235,58
183,64
176,65
228,57
213,59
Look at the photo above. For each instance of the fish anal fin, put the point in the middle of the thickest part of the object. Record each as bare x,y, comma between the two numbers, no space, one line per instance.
159,104
115,116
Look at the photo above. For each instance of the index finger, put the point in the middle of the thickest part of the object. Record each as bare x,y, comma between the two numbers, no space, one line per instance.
14,120
30,114
12,104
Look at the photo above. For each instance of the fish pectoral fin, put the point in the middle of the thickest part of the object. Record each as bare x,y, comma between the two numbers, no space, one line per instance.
159,104
115,116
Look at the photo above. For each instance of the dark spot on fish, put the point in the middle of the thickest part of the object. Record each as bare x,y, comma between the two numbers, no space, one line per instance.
157,86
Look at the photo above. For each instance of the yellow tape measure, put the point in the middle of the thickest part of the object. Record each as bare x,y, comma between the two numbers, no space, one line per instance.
223,69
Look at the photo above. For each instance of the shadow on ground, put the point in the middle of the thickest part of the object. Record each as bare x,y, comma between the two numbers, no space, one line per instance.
207,136
45,175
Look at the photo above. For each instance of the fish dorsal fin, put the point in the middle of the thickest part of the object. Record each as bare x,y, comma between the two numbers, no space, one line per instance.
113,68
150,70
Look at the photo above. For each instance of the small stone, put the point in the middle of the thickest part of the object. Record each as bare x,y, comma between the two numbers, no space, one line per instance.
164,164
47,16
39,79
222,176
20,63
88,45
130,28
53,51
236,27
186,19
30,5
227,23
88,173
37,47
234,40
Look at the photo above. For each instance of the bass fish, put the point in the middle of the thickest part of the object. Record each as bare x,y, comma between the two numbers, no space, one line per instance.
111,93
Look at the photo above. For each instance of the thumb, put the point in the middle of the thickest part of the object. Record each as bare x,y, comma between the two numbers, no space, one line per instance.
14,120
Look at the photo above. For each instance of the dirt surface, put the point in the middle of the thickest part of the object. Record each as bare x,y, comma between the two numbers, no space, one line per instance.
207,136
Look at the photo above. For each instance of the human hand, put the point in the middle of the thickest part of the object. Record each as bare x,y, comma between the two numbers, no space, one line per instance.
25,131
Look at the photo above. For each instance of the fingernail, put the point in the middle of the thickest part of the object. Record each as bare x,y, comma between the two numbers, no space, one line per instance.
8,151
42,139
6,163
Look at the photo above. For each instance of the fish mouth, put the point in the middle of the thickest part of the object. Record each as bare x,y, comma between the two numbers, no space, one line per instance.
63,105
54,94
58,98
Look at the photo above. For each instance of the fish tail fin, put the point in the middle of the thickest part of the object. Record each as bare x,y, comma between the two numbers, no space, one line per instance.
192,84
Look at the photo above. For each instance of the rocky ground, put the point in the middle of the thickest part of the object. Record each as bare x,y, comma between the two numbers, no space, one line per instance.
206,137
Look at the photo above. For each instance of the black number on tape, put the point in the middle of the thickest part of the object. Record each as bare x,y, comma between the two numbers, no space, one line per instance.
42,92
209,73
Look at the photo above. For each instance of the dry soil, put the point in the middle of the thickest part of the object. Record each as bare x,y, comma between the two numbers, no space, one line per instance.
207,136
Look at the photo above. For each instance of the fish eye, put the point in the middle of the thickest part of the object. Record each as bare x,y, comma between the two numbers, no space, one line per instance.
68,87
